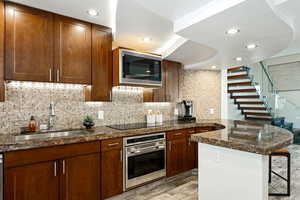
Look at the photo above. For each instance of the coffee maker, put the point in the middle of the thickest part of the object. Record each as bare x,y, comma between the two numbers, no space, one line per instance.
186,111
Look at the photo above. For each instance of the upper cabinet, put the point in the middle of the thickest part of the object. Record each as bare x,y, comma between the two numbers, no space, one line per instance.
29,44
2,86
45,47
169,92
101,63
72,50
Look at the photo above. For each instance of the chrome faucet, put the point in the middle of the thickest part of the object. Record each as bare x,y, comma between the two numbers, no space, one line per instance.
51,116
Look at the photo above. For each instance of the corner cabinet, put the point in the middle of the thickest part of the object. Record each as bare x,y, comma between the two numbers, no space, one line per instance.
28,44
72,50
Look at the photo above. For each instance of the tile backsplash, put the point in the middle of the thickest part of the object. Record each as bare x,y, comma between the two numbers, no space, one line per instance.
24,99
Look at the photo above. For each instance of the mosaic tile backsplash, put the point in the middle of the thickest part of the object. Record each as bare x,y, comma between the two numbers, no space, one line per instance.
25,99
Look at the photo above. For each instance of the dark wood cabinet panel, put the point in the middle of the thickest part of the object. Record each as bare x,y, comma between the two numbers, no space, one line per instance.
81,177
111,169
72,51
172,80
192,151
176,156
29,44
148,95
101,64
2,86
36,181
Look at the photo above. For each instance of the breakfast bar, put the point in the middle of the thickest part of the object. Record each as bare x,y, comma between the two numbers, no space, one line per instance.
233,162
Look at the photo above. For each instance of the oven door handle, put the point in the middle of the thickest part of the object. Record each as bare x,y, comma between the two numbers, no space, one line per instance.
146,150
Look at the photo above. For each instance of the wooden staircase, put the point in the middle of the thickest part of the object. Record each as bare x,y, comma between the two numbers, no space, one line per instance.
242,90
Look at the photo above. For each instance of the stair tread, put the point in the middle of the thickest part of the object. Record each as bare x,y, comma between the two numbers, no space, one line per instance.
249,102
246,97
253,108
242,90
247,83
235,69
257,113
258,118
242,76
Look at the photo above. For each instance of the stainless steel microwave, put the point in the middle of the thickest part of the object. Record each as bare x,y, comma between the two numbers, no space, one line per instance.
139,68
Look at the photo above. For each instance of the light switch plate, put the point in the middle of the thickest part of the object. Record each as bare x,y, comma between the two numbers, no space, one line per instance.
211,111
100,114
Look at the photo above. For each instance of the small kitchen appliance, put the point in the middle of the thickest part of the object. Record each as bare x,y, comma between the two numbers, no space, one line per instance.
186,111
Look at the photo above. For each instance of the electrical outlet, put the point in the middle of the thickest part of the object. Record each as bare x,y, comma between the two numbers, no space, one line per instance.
100,114
211,111
176,112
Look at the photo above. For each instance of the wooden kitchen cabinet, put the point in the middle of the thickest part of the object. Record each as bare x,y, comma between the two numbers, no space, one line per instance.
34,181
176,152
28,44
69,172
72,50
192,151
81,177
101,65
169,92
111,167
2,85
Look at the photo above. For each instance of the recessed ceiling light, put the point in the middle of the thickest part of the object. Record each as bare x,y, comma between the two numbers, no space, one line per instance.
93,12
238,58
214,67
251,46
232,31
146,40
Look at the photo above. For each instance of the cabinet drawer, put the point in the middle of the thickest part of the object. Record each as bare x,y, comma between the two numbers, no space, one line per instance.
111,144
204,129
177,134
190,131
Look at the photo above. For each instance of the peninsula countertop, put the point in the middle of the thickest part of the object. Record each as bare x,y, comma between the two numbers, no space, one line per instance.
240,135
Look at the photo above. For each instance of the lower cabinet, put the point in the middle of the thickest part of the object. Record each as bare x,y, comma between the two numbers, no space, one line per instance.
32,182
192,151
111,167
73,173
176,152
81,177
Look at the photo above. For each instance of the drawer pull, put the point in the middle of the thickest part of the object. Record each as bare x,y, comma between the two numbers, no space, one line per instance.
121,156
55,168
191,131
178,134
113,144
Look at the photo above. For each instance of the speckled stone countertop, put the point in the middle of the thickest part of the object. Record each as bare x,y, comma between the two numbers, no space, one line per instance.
256,139
246,136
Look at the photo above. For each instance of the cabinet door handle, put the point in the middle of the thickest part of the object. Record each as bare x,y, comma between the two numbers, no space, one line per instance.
121,156
64,167
113,144
110,96
170,146
57,75
50,75
55,168
189,141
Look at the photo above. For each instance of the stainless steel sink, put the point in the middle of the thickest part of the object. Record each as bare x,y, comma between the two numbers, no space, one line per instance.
52,135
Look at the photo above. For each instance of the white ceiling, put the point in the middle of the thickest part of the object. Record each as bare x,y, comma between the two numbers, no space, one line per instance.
77,9
273,24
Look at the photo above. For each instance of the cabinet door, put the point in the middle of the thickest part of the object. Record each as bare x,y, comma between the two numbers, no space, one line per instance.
111,173
2,86
36,181
80,177
29,44
72,51
192,154
101,64
176,156
172,80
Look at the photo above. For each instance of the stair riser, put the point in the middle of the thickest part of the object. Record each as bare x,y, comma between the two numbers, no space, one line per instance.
245,97
239,81
237,77
237,73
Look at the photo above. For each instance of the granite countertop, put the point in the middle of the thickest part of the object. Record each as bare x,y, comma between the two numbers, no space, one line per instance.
246,136
257,139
